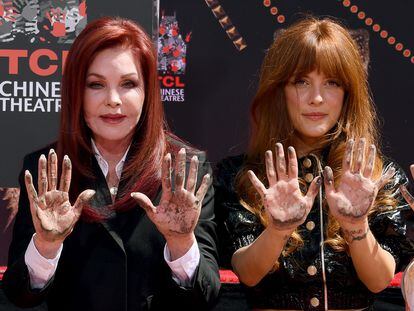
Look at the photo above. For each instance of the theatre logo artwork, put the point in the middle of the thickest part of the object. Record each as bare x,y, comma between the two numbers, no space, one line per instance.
35,36
172,51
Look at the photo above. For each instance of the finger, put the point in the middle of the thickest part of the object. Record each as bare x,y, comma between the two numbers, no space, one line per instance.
166,173
205,184
412,170
33,198
31,191
293,163
144,202
270,168
328,180
280,162
180,169
385,178
313,189
66,176
52,169
347,160
407,196
369,167
42,175
192,175
257,184
359,156
83,200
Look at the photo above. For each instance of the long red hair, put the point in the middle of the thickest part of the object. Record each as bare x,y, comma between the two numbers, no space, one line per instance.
142,170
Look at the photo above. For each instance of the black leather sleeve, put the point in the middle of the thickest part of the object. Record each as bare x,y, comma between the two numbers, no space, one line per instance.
237,227
394,227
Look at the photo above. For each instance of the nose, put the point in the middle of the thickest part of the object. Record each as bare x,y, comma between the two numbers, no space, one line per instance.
113,100
317,98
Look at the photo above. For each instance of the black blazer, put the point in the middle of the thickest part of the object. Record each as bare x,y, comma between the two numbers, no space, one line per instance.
115,265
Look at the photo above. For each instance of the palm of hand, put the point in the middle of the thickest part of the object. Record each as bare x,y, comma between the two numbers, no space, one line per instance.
52,214
356,193
354,197
283,201
179,210
286,205
177,213
55,213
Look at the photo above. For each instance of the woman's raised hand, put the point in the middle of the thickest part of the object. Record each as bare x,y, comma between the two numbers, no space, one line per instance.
407,196
53,215
285,205
177,213
356,192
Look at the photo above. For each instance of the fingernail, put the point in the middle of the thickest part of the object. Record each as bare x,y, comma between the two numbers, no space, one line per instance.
328,174
51,151
43,157
318,180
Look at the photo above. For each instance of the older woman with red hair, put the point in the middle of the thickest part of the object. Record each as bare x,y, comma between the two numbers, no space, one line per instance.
104,252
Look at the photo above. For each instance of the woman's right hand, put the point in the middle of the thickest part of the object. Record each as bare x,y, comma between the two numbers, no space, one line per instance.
285,205
52,214
407,196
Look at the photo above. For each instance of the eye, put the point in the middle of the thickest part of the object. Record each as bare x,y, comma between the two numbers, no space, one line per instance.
300,82
129,84
334,82
95,85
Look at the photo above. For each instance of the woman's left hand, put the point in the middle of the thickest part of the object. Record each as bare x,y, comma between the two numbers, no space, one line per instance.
407,196
356,193
177,213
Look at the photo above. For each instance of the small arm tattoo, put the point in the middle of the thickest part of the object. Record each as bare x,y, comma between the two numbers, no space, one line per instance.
354,235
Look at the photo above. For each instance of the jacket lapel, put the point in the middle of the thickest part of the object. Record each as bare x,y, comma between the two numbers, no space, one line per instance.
103,199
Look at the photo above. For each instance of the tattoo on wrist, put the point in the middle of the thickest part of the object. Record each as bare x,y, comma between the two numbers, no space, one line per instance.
354,235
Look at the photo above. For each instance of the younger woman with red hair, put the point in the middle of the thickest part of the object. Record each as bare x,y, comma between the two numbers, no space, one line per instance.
319,225
116,154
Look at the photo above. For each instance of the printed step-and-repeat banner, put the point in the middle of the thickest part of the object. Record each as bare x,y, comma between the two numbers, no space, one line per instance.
209,54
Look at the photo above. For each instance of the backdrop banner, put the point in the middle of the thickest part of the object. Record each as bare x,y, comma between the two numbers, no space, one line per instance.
35,37
214,49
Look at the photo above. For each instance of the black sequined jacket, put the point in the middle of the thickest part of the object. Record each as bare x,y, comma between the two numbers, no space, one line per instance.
298,282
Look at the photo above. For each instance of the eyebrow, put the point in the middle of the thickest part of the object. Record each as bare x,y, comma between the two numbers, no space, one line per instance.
103,77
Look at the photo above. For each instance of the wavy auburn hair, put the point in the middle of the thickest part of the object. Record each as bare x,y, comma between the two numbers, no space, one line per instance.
310,44
142,171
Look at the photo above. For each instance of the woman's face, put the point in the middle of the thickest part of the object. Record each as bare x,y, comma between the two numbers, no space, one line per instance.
314,103
114,96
